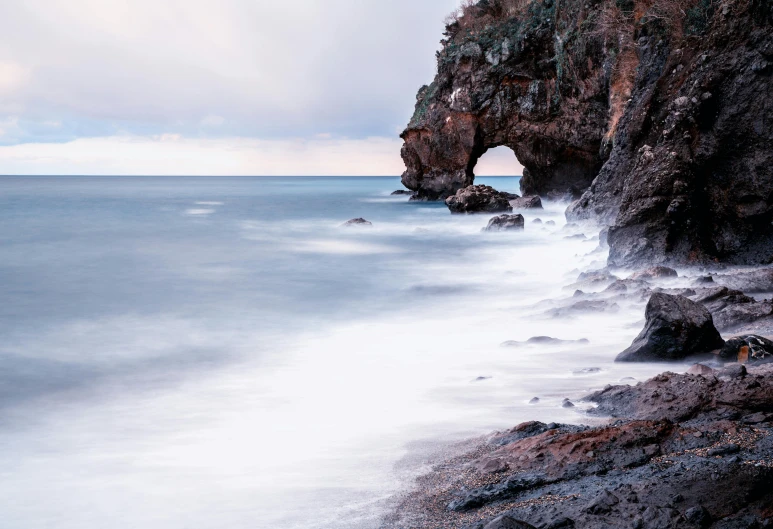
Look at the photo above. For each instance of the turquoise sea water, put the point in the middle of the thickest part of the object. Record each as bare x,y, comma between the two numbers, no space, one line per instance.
221,353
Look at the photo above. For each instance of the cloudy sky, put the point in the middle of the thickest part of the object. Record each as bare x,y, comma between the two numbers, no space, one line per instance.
235,87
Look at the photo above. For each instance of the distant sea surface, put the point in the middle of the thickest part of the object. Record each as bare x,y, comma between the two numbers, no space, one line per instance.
217,353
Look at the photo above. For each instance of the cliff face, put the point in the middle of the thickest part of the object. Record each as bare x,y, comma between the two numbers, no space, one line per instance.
659,113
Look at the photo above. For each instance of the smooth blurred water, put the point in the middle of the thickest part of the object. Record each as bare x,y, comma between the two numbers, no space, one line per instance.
221,353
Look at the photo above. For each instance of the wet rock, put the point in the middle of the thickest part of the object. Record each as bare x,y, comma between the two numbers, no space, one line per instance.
403,192
535,400
675,328
550,223
703,280
357,222
505,223
567,404
698,516
747,349
527,202
655,272
537,221
478,199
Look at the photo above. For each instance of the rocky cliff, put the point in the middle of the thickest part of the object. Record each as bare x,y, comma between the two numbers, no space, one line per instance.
655,115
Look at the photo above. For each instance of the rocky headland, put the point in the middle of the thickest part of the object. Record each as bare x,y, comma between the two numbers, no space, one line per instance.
653,119
655,116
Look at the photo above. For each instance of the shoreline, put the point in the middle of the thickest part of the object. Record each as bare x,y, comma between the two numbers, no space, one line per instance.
546,475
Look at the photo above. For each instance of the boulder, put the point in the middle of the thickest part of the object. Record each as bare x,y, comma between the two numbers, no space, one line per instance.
529,202
747,349
357,222
478,199
403,192
732,309
675,328
656,272
505,223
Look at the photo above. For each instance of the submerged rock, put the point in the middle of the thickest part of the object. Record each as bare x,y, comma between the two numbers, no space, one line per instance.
543,340
505,223
675,328
403,192
478,199
357,222
656,272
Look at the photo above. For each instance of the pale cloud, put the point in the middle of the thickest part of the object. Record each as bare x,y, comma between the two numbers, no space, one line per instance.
171,154
13,77
140,77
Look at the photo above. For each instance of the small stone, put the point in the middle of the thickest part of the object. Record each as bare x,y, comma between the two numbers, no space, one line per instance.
591,454
567,404
535,400
537,221
697,434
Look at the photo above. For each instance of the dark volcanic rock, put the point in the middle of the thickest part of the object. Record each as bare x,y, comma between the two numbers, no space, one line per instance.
478,199
530,202
403,192
732,308
747,349
505,223
661,122
357,222
687,452
676,328
750,282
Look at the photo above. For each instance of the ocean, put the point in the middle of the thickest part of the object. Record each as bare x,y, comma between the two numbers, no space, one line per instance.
219,353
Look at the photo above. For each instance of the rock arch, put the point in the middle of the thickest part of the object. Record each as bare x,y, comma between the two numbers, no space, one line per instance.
503,86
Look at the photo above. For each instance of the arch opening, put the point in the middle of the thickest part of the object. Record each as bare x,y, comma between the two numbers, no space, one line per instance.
498,161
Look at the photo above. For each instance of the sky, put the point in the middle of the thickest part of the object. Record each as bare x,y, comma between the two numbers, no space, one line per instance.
233,87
